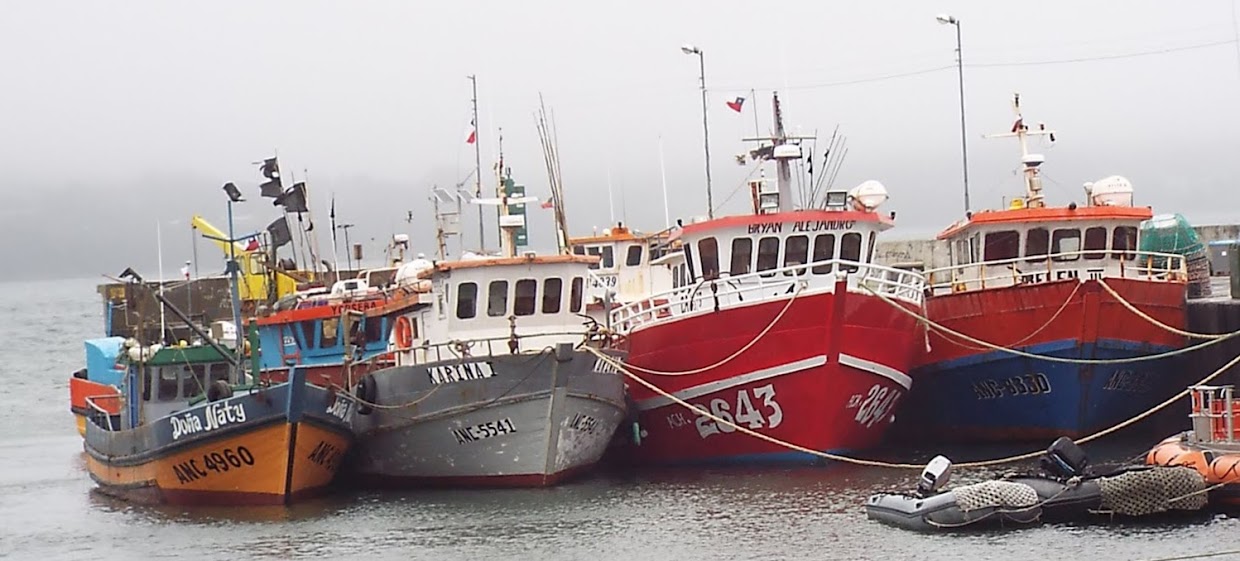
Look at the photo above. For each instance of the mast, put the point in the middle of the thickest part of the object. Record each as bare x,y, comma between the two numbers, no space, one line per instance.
482,237
783,149
1029,162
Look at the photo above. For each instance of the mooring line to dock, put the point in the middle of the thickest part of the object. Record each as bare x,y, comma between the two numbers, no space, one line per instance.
739,352
1076,288
1157,323
948,331
897,465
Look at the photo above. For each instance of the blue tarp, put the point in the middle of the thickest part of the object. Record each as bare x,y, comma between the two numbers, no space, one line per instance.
101,360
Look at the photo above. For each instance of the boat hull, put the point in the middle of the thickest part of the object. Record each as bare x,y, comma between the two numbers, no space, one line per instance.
268,447
534,421
105,396
971,394
828,376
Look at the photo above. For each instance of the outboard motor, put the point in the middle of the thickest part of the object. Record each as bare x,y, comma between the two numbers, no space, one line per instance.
1064,458
936,474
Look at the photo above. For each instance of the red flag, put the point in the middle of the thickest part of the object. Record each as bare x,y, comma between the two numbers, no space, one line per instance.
547,204
473,136
1020,122
736,105
253,245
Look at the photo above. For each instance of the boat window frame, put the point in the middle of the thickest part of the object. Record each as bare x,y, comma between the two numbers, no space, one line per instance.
829,267
741,257
1057,247
531,300
1006,246
494,296
708,254
552,300
774,257
1044,235
472,300
1128,251
576,294
844,241
804,254
329,324
1095,253
633,255
688,249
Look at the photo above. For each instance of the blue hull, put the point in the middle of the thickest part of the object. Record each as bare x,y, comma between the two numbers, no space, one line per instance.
996,396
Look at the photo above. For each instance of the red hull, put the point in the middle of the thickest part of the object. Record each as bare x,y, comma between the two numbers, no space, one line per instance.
828,376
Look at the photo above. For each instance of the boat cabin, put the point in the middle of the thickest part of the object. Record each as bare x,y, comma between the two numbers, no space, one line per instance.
163,380
493,305
624,264
320,333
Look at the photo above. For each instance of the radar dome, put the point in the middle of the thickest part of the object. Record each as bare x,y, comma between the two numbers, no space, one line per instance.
868,196
1109,191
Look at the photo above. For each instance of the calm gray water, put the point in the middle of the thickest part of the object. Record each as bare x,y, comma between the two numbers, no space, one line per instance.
48,510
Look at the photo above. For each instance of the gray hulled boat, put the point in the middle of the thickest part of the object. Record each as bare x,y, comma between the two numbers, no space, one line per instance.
490,384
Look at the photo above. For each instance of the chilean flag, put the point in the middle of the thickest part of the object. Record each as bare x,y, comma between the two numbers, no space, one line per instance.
736,105
473,137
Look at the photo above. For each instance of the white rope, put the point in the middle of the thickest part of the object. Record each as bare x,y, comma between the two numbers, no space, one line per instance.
875,463
1054,316
739,352
1128,360
1151,319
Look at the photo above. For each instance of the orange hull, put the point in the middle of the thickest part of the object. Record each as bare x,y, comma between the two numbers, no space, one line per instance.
1218,467
104,396
273,464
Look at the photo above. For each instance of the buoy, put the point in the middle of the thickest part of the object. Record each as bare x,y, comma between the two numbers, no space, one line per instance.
404,332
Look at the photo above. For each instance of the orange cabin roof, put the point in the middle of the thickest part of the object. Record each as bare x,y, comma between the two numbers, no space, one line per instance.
505,261
330,310
792,216
614,234
1047,214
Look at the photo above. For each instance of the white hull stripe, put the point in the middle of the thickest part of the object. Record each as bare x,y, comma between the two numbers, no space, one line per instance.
720,385
876,368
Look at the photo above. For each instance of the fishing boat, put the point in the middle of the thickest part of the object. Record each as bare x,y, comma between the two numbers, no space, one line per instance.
489,385
190,432
1211,447
629,266
1061,282
99,379
774,323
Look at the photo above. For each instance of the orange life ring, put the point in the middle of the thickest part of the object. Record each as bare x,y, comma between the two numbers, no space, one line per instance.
404,333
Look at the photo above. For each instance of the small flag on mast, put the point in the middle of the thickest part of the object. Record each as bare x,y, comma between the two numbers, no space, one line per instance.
736,105
473,137
548,204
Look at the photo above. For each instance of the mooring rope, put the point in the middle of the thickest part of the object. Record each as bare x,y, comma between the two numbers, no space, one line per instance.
896,465
1157,323
1076,288
1128,360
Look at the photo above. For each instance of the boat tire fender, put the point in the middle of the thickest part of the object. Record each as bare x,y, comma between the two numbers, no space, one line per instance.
366,391
218,390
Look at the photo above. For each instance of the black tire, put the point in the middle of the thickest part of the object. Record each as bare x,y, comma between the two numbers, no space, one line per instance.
218,390
366,390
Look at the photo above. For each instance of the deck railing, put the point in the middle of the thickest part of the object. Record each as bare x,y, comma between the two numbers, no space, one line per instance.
770,285
99,415
1084,264
1213,414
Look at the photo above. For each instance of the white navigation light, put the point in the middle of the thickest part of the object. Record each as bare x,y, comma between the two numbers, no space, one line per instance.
868,196
1109,191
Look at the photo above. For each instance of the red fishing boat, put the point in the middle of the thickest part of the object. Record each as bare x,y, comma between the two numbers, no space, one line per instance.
774,324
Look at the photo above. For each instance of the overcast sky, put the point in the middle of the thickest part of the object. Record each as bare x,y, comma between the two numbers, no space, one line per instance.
118,116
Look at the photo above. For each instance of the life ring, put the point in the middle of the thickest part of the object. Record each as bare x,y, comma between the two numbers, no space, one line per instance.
365,392
404,333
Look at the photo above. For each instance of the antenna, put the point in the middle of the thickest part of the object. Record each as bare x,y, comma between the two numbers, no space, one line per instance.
482,236
1029,162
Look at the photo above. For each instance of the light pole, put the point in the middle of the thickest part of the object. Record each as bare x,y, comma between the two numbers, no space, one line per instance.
234,196
692,50
964,146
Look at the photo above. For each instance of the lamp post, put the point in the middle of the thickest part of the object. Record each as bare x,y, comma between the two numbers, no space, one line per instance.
964,147
234,196
692,50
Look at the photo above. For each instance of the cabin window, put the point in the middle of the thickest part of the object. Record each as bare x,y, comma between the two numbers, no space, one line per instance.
634,256
578,250
193,380
962,252
330,331
466,300
595,251
169,379
1037,243
768,253
609,260
708,252
307,334
689,264
1002,245
553,290
1096,242
850,250
796,253
374,328
574,299
676,277
824,250
497,298
974,245
527,294
1065,243
1123,242
873,244
742,256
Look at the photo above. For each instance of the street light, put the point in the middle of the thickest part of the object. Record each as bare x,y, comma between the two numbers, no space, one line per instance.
693,50
234,196
964,147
